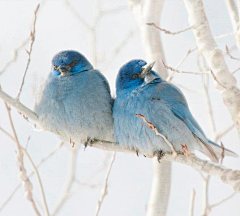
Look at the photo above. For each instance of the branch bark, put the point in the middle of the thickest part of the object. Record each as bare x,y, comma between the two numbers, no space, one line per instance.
215,59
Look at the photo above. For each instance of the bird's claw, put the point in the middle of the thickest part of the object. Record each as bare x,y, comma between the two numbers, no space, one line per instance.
88,142
185,151
159,155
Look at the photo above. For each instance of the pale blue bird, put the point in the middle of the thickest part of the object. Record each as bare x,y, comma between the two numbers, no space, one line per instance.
142,91
74,101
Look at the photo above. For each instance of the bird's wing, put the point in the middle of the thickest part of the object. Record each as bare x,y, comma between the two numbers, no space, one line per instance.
178,104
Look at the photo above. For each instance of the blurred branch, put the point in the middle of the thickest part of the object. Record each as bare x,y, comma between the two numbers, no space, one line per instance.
223,133
203,68
192,201
39,181
179,71
215,59
169,32
29,52
206,195
15,55
113,10
27,185
237,69
119,47
31,174
76,14
169,78
70,180
105,187
234,16
230,55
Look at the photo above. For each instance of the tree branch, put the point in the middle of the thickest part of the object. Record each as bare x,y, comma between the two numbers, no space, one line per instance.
215,59
104,190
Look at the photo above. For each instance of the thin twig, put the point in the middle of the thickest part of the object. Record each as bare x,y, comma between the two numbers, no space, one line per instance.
206,195
39,182
223,133
230,55
14,55
105,187
152,127
222,201
192,202
224,35
178,71
169,78
169,32
22,171
215,78
31,174
70,180
237,69
223,153
32,39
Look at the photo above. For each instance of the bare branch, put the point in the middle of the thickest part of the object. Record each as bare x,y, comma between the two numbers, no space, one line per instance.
152,127
39,181
229,54
14,55
70,180
113,11
77,15
169,78
31,174
224,35
237,69
215,59
105,187
215,78
19,106
169,32
29,52
27,185
178,71
192,201
222,201
223,133
223,152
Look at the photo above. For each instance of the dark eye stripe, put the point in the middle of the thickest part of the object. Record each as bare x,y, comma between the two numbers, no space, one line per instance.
135,76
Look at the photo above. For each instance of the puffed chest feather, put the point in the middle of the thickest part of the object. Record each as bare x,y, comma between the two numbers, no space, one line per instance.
76,107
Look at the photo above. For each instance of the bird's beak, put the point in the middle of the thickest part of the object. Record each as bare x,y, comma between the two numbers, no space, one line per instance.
63,68
147,69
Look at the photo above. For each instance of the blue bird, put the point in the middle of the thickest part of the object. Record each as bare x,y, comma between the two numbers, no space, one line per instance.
74,101
142,91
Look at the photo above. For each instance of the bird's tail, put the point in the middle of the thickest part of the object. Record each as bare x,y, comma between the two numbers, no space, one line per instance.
216,150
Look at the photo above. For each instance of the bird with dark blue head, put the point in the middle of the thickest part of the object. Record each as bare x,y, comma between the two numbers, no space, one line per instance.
75,101
140,90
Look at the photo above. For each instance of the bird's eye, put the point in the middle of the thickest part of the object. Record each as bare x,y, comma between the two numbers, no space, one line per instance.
135,76
73,63
55,67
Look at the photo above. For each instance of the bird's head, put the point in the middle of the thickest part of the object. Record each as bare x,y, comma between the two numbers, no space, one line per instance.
69,62
134,73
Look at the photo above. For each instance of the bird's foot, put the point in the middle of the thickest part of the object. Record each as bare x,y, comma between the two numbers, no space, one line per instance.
185,151
71,142
159,155
137,152
89,142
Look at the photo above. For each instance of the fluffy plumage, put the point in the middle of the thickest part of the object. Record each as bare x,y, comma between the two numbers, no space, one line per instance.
141,91
75,100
